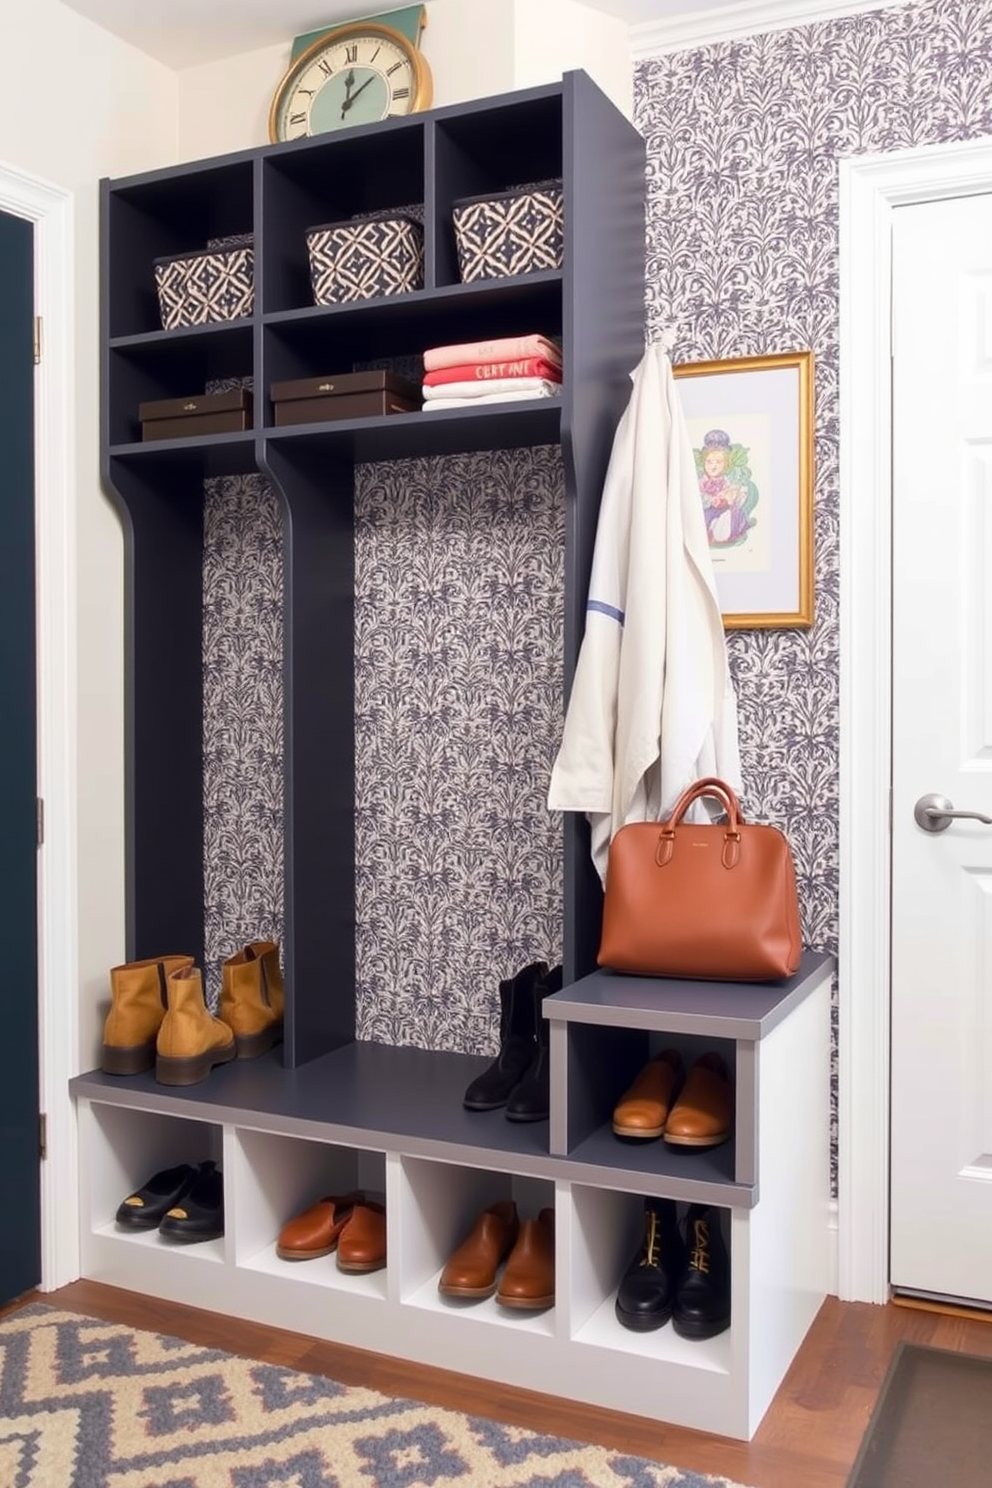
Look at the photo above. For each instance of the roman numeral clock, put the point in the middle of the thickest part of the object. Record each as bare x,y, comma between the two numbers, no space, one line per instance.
356,73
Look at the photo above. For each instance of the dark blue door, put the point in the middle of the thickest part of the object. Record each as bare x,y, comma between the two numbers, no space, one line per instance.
20,1227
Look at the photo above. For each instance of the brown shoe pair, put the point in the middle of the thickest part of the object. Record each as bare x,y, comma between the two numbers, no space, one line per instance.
158,1017
528,1248
693,1112
351,1224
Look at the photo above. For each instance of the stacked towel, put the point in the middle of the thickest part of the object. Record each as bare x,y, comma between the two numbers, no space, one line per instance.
503,371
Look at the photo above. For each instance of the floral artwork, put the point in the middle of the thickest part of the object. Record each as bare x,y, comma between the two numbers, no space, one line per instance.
727,488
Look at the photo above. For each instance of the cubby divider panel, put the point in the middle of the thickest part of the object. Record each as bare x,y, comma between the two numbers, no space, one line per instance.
162,213
162,506
316,488
441,1202
370,171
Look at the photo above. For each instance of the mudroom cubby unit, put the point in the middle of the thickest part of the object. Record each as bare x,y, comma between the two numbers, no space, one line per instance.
327,1112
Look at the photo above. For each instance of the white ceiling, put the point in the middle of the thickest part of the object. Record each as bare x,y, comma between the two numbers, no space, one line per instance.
181,33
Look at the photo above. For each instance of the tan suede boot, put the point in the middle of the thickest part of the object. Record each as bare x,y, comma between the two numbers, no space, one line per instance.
190,1041
137,1006
252,997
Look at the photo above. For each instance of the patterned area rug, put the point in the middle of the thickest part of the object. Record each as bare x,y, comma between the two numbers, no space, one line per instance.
87,1404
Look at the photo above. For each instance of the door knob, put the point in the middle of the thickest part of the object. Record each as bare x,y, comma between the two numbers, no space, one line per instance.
934,813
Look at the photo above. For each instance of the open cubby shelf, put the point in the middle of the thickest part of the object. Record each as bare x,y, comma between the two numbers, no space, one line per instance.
326,1112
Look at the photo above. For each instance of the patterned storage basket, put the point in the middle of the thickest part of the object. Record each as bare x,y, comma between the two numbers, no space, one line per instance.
213,284
515,232
361,259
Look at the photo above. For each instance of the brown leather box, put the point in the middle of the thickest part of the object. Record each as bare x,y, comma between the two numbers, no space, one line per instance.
349,395
203,413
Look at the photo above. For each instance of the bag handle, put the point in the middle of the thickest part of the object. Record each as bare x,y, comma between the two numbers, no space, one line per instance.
709,786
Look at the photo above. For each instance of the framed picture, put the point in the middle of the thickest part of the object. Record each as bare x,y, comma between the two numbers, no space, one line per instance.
750,421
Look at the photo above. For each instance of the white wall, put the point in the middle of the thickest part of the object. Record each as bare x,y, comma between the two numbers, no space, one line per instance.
473,51
77,104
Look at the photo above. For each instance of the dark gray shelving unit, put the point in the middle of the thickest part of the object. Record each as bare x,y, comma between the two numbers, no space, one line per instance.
594,302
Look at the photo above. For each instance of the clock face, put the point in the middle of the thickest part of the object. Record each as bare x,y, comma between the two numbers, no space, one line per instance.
355,75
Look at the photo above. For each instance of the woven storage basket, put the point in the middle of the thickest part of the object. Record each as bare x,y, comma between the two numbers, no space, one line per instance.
365,258
195,288
515,232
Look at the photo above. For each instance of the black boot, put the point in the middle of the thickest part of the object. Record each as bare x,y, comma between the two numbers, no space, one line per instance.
517,1041
647,1291
702,1302
531,1100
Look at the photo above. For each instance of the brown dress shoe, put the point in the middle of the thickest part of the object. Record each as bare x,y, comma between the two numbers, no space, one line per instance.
703,1115
471,1269
316,1231
362,1242
643,1109
528,1279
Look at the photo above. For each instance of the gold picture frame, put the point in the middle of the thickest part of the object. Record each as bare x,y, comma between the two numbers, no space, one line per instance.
751,424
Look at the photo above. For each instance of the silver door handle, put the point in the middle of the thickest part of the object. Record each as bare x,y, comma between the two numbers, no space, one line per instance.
934,813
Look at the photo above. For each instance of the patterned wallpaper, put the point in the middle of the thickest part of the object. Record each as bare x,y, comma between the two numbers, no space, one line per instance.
743,141
459,561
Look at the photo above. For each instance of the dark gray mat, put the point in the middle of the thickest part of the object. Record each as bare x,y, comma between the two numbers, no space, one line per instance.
932,1423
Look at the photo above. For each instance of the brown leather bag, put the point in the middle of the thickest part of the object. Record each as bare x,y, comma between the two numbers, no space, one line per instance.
714,901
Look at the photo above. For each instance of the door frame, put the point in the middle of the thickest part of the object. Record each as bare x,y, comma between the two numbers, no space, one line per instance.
50,210
871,188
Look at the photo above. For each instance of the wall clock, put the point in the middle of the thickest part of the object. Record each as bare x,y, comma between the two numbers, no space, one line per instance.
357,73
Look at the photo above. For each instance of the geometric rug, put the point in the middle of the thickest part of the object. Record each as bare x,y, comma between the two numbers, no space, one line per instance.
88,1404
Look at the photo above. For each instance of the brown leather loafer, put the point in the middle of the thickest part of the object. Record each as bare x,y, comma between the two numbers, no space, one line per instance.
316,1231
643,1109
471,1269
703,1115
528,1279
362,1242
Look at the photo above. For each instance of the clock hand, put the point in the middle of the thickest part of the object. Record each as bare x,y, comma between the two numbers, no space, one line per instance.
350,100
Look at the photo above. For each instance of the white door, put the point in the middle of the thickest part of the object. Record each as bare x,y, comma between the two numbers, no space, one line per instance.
941,1136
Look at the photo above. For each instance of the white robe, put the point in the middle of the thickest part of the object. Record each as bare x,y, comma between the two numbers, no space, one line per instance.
652,706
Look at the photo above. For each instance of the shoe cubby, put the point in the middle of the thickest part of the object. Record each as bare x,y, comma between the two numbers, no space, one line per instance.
492,148
278,1178
162,213
366,172
440,1203
607,1234
124,1148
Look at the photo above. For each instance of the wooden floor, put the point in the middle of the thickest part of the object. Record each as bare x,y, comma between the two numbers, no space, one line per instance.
808,1439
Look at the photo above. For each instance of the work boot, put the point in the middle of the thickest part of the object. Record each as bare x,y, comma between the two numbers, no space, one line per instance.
190,1041
517,1041
137,1006
252,998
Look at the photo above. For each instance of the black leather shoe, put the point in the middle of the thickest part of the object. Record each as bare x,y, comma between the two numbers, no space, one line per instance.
531,1100
143,1209
702,1302
200,1215
647,1292
517,1041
